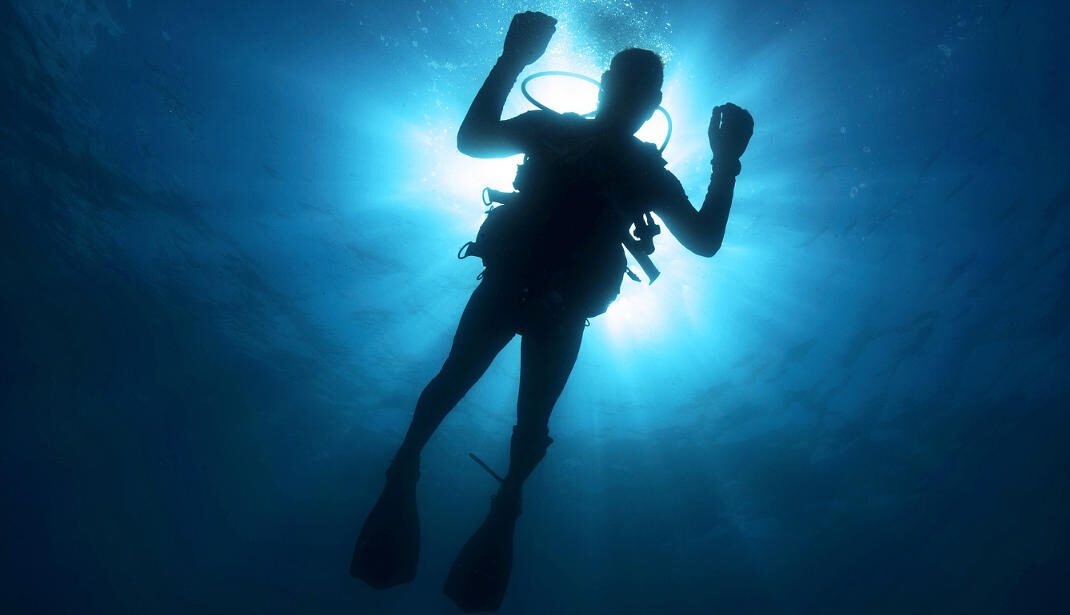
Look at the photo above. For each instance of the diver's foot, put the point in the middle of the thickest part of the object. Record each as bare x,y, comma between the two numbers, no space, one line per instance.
388,548
480,574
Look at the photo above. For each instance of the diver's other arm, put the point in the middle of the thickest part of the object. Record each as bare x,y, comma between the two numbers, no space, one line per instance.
482,134
703,231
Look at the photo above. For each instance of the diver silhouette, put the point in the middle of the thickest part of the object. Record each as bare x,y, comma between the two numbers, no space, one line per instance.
553,258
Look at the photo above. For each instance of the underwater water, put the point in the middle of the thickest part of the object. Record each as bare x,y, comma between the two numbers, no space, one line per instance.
228,269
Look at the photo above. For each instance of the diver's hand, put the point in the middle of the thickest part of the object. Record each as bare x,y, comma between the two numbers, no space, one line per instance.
731,128
529,34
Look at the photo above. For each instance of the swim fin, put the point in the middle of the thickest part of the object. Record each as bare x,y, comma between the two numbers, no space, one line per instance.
480,574
388,548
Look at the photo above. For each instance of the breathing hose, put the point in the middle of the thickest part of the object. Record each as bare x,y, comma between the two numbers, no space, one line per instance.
565,73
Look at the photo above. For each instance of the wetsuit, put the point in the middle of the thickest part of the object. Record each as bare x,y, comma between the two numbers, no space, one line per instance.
580,191
567,264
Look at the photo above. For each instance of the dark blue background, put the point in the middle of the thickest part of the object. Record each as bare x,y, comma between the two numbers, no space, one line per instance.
227,271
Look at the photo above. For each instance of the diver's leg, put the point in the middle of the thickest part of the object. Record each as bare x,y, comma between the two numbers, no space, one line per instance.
388,548
486,326
480,575
547,355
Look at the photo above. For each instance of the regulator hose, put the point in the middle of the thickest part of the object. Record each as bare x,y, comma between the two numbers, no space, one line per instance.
565,73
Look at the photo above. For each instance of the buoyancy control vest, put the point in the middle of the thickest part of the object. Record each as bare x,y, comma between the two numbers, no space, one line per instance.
565,227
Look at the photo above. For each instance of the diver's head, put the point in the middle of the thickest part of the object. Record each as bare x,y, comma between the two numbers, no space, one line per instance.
631,89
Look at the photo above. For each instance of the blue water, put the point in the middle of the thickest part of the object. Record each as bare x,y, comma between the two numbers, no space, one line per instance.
227,268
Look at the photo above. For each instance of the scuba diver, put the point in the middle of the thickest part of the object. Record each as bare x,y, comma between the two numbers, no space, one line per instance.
554,257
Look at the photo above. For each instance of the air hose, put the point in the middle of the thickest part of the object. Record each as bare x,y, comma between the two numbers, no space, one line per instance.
565,73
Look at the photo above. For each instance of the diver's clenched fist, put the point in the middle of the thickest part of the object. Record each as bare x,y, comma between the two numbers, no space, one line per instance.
731,128
529,34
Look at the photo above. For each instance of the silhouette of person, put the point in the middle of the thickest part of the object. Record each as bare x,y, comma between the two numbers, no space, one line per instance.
582,185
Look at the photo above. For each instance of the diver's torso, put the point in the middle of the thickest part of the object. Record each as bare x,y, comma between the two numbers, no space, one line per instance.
580,191
594,182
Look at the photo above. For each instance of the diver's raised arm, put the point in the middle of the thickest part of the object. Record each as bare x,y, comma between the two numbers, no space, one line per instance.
482,134
703,231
